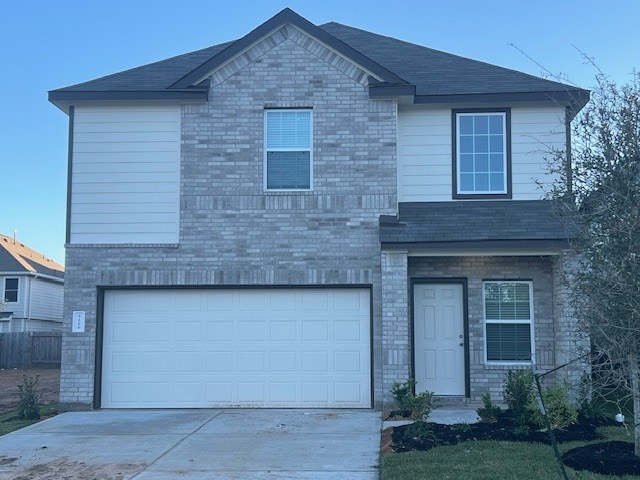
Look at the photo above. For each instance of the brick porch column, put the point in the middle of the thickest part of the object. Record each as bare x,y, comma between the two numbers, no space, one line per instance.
395,322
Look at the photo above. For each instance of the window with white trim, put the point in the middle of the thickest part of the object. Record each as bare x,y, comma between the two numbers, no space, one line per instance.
288,144
508,318
482,153
11,290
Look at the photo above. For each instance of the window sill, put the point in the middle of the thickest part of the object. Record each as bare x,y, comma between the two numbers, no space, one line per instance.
502,365
482,196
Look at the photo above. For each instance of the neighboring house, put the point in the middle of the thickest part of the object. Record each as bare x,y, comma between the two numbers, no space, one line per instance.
31,289
306,215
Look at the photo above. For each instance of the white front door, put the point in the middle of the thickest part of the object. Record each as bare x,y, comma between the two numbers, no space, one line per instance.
439,348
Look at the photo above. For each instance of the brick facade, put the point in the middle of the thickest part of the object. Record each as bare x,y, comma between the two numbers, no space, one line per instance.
232,232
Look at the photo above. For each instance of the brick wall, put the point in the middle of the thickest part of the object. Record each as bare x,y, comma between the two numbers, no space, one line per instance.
234,233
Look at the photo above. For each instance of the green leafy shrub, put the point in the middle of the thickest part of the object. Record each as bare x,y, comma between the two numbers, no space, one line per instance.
489,412
417,406
29,399
419,430
519,395
560,412
401,392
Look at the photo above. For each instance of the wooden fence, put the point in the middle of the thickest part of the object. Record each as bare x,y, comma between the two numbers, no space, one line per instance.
30,349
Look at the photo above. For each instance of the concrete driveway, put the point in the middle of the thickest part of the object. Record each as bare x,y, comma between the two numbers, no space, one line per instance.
196,444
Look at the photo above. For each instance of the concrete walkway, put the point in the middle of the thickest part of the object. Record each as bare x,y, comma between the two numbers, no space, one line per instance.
196,444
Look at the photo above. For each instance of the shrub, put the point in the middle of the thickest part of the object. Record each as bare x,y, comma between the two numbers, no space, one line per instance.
417,406
489,412
519,395
29,399
419,430
560,412
401,391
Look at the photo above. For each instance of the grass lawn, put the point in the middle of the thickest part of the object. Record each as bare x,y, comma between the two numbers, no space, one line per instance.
491,460
10,422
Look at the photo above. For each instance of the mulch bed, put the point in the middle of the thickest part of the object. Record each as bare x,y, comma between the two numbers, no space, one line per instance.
504,429
609,458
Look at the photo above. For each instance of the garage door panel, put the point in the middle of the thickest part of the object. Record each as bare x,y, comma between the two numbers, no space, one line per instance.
219,362
282,362
350,301
282,301
220,301
282,331
315,301
244,348
220,331
315,393
252,302
347,331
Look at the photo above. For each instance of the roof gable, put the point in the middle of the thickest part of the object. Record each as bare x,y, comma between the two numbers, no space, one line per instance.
287,32
286,16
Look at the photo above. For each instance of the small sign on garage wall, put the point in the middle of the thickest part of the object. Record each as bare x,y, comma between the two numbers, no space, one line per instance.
77,322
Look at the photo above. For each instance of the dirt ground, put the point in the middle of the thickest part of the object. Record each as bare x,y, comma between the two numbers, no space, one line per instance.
48,385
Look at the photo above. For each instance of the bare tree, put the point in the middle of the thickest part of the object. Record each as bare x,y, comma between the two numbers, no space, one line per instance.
602,193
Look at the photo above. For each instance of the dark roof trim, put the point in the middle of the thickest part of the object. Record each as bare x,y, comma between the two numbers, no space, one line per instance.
285,16
193,95
478,244
577,98
386,90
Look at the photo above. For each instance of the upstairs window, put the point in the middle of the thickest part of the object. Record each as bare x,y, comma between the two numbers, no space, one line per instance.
288,143
508,317
482,154
11,290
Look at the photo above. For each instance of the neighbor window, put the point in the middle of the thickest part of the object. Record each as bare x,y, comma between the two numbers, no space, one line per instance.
11,290
508,317
288,162
481,163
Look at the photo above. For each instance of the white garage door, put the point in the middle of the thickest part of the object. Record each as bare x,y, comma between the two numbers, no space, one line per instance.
245,348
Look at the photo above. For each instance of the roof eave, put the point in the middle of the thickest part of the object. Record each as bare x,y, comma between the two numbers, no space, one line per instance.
404,93
64,98
541,245
575,99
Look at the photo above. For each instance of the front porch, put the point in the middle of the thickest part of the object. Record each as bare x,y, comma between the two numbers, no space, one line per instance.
457,315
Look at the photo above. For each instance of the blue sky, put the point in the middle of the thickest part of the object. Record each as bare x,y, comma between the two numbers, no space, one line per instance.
45,45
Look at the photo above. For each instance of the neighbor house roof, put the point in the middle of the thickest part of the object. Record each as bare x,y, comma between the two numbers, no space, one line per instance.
533,223
398,68
16,257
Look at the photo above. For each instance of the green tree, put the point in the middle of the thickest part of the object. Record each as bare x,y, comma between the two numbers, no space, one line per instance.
601,193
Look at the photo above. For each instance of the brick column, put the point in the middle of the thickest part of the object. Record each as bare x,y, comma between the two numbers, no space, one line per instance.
569,342
396,342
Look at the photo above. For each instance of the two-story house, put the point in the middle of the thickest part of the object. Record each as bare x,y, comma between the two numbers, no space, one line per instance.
306,215
31,289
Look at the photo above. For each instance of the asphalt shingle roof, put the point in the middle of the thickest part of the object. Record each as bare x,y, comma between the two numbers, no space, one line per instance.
433,73
154,76
16,257
476,221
